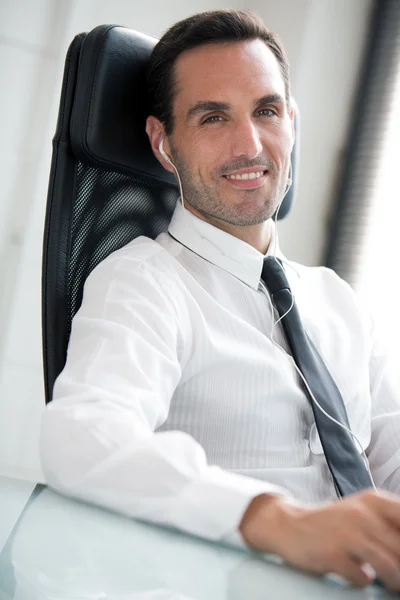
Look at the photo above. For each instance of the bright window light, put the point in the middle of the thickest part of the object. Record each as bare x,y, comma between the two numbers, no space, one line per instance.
378,280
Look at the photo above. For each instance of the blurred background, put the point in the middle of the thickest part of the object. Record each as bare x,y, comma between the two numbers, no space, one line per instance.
345,67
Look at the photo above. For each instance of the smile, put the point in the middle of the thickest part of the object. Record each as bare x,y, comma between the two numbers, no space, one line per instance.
247,181
244,176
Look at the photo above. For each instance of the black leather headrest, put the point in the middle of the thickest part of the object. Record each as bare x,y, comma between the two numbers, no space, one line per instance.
110,106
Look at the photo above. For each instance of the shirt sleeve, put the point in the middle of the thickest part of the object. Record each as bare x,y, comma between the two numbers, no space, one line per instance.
384,449
126,354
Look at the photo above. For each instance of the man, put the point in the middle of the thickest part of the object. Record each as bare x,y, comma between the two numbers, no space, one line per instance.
180,402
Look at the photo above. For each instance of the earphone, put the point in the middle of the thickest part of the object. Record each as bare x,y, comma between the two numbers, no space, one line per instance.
275,323
308,388
163,153
288,186
167,158
284,351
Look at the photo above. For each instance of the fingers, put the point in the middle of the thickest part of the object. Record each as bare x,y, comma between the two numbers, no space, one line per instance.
385,563
362,530
354,572
385,536
386,504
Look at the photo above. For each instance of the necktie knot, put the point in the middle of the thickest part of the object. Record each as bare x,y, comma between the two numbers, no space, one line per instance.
273,275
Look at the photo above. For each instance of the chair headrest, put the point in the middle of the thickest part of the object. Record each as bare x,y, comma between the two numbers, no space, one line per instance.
110,106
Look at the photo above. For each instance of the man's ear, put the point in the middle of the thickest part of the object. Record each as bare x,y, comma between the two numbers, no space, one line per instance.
155,131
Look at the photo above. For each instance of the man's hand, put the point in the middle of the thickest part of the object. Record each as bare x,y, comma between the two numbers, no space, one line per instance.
339,537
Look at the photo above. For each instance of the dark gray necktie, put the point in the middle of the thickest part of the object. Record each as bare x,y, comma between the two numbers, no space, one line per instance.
344,461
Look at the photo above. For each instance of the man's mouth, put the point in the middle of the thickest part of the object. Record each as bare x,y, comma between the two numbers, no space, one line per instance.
249,179
245,176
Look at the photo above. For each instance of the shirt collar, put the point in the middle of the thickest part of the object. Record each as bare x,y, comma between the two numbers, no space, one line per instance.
219,247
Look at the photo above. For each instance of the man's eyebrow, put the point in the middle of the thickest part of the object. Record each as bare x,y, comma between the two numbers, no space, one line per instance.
206,106
269,99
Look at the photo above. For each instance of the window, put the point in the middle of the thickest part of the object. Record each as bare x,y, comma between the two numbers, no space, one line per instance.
377,278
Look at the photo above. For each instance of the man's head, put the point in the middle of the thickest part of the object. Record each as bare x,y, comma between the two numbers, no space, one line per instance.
220,101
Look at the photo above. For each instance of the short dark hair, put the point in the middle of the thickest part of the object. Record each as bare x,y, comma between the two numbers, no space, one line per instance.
210,27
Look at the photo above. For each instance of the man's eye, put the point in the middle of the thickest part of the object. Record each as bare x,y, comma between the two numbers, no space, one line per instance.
267,112
213,119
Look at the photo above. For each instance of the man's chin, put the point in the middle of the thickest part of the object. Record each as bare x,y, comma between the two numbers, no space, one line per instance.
245,220
251,212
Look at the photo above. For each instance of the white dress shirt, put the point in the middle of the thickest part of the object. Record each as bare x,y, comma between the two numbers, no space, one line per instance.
175,406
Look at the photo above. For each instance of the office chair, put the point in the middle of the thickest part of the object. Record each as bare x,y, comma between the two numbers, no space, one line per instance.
106,187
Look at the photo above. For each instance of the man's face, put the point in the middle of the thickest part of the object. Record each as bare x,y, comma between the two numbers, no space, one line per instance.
231,119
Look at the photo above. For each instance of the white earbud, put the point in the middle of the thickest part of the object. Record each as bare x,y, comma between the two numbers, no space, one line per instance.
167,158
163,153
290,180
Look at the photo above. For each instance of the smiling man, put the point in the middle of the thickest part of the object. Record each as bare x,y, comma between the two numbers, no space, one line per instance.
186,400
232,135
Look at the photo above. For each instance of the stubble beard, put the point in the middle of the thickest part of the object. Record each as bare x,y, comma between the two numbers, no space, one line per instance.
207,199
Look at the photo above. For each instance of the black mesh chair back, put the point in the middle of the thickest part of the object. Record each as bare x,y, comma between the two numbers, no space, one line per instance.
106,187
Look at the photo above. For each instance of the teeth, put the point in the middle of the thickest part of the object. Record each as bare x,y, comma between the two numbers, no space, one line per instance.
244,176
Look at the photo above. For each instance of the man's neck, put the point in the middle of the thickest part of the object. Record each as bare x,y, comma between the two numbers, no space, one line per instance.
259,236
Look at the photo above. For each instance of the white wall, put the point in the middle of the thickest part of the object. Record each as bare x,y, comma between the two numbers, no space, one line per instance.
324,40
29,69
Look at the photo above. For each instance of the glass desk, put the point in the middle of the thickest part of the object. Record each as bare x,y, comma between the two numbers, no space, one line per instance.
60,549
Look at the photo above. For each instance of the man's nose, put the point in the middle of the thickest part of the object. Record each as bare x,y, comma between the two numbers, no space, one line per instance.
246,141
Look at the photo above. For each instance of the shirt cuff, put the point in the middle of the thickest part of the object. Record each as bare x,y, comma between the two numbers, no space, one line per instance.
213,506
